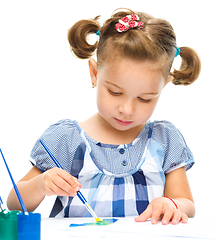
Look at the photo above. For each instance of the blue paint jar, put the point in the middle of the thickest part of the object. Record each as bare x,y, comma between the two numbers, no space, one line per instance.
29,226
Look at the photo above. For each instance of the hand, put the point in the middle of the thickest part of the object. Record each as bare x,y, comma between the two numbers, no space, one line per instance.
162,208
57,181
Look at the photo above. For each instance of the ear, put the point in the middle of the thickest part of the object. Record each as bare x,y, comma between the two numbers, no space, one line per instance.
93,71
169,79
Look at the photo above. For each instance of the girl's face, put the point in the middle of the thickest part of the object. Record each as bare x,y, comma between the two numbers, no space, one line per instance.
127,91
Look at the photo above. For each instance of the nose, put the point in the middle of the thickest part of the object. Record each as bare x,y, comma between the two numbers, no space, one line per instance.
126,108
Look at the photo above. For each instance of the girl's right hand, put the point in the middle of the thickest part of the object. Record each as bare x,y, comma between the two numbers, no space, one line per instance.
57,181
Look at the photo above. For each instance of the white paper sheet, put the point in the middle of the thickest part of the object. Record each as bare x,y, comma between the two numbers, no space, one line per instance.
126,228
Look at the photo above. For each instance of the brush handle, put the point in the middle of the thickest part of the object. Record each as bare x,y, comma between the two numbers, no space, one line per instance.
15,187
1,204
81,197
51,155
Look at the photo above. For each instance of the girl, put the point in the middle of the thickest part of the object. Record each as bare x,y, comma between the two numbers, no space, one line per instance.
124,164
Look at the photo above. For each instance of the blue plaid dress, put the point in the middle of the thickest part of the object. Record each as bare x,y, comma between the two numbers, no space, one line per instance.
116,180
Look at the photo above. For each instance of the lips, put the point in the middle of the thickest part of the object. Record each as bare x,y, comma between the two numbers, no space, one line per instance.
122,123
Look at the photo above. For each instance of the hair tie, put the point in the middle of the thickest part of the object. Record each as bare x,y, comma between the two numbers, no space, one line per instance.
178,51
98,33
128,22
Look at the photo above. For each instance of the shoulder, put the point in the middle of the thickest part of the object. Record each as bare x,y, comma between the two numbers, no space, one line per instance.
165,131
64,133
62,125
176,151
63,128
164,125
62,138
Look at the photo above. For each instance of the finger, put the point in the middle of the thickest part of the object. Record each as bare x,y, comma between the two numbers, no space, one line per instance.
49,191
62,183
72,181
53,189
76,184
156,214
56,181
177,217
145,215
184,218
60,186
168,215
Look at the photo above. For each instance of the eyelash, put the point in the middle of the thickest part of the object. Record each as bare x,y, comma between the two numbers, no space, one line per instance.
114,93
144,100
118,94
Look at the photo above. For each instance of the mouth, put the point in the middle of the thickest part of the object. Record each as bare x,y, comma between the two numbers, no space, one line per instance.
123,123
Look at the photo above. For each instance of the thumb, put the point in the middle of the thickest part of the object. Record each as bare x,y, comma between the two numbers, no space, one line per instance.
145,215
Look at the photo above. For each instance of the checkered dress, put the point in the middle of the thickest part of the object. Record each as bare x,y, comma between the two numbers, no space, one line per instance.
116,180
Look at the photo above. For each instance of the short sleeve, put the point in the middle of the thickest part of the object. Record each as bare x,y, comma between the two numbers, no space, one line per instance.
61,139
176,152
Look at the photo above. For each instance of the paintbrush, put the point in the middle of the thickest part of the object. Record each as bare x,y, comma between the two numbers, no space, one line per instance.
2,207
79,194
15,187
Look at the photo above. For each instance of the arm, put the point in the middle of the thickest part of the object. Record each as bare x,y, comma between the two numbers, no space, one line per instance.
28,190
177,188
36,185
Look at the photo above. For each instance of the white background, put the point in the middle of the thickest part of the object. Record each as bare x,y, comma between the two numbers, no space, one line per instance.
41,81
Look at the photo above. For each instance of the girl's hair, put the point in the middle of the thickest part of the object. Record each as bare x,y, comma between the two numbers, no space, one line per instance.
156,42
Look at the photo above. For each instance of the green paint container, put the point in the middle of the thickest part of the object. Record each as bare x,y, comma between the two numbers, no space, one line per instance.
8,225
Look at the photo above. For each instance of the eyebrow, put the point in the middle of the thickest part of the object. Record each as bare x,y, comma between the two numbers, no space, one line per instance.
156,93
112,84
153,93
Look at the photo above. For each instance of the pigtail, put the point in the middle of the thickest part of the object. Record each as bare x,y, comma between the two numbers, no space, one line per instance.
153,40
78,35
190,67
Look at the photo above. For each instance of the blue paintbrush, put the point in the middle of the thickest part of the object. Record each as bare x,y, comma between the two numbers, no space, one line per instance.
15,187
2,207
79,194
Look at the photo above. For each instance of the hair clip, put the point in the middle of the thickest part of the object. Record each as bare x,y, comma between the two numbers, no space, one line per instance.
98,33
128,22
178,51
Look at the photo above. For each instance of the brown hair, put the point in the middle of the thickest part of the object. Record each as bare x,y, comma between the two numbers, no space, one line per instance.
155,41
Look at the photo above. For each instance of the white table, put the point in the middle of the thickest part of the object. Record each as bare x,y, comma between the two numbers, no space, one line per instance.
59,229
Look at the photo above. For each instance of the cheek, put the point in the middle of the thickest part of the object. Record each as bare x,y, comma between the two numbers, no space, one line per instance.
103,101
148,109
152,106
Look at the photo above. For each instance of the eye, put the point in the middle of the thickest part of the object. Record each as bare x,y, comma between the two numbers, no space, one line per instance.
144,100
114,93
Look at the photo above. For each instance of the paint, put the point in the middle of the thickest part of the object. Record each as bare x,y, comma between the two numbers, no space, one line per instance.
100,223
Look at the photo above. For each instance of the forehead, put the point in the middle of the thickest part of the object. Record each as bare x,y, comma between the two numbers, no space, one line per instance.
127,73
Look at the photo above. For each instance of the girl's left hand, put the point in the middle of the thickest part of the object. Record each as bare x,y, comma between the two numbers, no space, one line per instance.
162,208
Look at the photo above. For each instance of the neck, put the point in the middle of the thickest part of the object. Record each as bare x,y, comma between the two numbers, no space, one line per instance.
100,130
